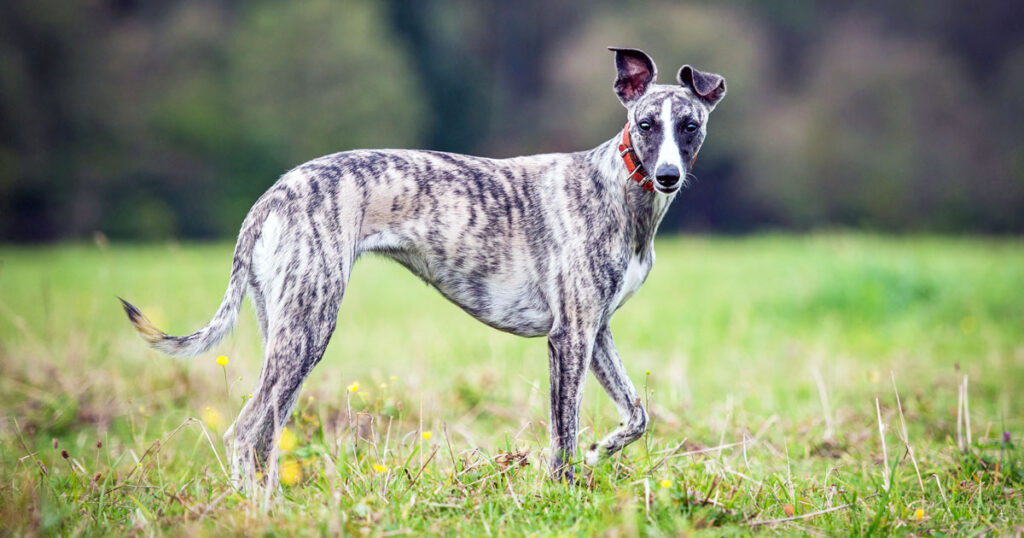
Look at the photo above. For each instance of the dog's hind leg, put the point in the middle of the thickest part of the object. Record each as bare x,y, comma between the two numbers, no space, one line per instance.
608,369
295,344
301,285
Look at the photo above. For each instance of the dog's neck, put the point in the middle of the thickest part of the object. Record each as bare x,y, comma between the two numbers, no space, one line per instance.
643,209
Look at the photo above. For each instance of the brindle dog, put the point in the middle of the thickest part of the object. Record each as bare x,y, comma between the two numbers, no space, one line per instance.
539,245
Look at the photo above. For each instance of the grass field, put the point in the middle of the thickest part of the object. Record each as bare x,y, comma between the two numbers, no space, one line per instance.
761,360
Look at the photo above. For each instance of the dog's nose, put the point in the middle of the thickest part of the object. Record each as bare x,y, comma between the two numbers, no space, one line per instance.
667,174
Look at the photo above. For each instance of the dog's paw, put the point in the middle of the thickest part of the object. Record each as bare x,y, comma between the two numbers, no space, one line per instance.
592,456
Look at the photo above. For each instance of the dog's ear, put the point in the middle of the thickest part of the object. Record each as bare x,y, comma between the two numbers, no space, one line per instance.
709,87
635,72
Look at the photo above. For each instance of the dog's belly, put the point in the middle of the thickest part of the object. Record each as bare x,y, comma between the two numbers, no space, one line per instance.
517,308
507,300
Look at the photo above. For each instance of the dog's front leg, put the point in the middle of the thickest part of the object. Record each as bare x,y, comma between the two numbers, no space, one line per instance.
609,371
569,352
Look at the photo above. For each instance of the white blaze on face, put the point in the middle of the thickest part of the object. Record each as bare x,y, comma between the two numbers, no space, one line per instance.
668,153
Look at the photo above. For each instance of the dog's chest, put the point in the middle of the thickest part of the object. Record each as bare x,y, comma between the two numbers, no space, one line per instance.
634,277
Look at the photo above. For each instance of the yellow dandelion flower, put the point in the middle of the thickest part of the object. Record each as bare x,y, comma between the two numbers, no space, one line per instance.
364,395
212,418
648,372
919,514
380,468
383,386
393,379
288,441
426,435
290,472
354,387
666,483
222,360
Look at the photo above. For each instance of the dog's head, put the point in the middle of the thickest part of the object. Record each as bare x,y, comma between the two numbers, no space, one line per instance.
667,123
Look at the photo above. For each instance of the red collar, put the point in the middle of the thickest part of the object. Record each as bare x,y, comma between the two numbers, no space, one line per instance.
633,166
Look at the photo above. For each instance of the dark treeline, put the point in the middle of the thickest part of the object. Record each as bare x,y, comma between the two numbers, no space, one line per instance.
165,119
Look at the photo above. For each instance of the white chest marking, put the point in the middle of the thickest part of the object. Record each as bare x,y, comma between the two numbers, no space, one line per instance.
636,274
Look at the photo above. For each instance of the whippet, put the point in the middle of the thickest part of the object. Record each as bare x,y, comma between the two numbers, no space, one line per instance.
539,245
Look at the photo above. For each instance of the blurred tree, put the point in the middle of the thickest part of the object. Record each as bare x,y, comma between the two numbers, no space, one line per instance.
292,84
1004,203
482,66
42,55
885,132
449,68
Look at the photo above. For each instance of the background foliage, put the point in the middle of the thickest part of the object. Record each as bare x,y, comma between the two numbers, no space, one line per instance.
167,119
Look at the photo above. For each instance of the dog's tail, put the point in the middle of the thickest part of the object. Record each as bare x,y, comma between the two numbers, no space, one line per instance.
222,322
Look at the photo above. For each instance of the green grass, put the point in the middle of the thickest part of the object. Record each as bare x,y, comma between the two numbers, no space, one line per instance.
734,333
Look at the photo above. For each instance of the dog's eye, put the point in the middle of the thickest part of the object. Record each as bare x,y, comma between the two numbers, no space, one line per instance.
645,125
691,127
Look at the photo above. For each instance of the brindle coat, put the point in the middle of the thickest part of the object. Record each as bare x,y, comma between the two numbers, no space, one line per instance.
539,245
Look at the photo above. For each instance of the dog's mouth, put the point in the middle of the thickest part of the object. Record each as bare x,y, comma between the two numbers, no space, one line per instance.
667,190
